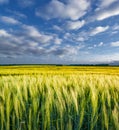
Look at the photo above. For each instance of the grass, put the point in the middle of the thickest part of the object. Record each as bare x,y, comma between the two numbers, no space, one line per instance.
59,98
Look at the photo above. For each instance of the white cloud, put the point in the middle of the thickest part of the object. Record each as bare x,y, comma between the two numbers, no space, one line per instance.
28,41
81,39
46,38
57,28
67,35
101,44
84,35
106,3
72,9
7,43
72,50
115,29
75,25
9,20
77,37
115,44
33,44
4,1
98,30
34,33
67,50
57,40
104,14
14,44
106,9
38,36
4,33
106,58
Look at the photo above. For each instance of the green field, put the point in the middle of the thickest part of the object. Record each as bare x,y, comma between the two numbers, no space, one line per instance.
59,98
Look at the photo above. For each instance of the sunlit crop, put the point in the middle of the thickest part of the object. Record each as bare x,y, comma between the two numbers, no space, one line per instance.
59,98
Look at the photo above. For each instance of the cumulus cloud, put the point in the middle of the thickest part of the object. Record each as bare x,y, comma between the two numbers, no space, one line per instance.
107,13
34,34
115,44
7,43
13,45
81,39
98,30
84,35
57,40
77,37
72,9
67,50
72,50
106,3
106,9
28,40
9,20
75,25
3,33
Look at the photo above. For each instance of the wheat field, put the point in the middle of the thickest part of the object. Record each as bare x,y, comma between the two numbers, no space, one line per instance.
59,98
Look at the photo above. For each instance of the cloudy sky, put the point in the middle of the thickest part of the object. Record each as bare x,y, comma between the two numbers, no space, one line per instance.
59,31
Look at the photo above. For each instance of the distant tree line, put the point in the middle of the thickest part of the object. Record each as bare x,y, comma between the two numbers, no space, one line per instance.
56,64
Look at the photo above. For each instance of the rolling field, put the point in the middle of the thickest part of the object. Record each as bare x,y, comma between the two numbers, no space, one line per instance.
59,98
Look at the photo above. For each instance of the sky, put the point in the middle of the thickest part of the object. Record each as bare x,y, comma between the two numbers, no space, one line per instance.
59,31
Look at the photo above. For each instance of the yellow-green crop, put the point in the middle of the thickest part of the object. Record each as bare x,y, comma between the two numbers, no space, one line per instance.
59,98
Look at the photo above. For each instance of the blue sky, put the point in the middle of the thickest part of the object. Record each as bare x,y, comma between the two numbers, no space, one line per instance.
59,31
